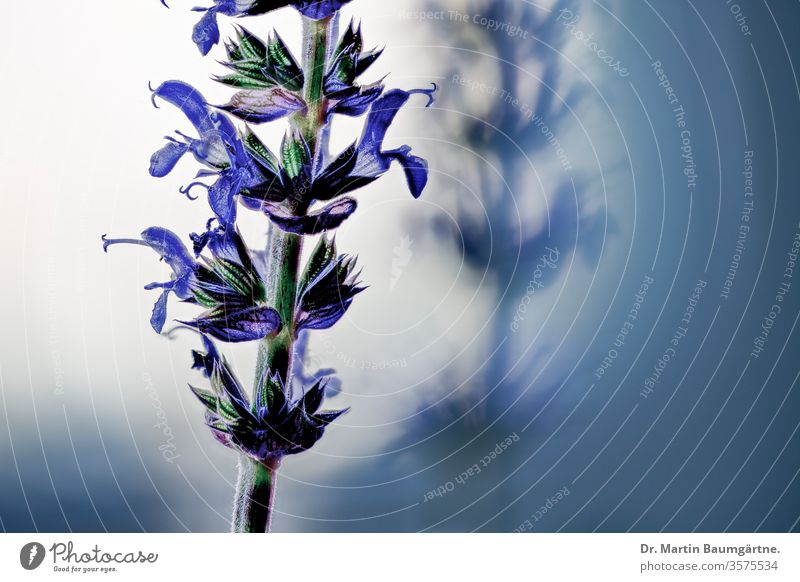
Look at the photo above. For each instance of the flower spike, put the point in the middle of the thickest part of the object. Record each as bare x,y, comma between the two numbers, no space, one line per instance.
297,187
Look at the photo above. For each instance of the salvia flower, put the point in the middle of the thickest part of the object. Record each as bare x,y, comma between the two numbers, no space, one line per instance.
367,162
219,148
357,166
318,9
273,426
206,32
227,284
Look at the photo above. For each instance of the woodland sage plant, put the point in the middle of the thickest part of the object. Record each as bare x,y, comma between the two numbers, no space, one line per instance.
267,296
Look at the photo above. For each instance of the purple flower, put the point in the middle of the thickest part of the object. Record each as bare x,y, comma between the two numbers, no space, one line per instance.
303,190
227,284
357,166
206,32
318,9
370,161
245,166
172,251
219,148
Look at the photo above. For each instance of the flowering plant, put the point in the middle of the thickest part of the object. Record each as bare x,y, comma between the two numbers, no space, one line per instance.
267,296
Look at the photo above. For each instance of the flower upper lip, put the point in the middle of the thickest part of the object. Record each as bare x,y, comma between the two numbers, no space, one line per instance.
206,32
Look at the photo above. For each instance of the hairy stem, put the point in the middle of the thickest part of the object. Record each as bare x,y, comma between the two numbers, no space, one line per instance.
283,256
316,38
255,489
255,493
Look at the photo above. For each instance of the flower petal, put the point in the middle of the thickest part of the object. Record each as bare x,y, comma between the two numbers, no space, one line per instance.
353,170
171,249
416,169
382,113
206,32
318,9
222,198
164,160
209,123
159,315
168,246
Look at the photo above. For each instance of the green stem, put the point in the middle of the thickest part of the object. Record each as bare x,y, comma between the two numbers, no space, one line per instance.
283,255
255,493
316,38
255,488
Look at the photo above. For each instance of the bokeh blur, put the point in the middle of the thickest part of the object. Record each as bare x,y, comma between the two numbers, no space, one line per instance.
587,322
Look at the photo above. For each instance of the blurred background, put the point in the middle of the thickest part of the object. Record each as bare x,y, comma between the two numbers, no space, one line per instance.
587,322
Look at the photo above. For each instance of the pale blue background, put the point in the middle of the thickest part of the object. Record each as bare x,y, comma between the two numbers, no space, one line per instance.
84,380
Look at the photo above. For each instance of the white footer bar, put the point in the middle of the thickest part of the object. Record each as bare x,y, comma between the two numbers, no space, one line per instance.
388,557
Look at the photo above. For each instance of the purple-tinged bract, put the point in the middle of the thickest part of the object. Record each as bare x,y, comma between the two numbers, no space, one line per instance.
273,426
